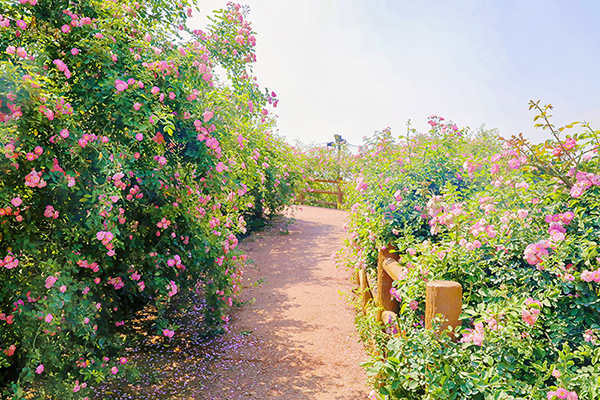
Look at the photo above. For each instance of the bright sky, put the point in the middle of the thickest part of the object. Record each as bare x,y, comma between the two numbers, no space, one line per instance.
356,66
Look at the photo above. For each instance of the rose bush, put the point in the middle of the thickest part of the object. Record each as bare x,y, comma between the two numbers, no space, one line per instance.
128,169
516,225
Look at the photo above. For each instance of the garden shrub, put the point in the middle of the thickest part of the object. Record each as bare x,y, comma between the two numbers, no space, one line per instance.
517,226
127,168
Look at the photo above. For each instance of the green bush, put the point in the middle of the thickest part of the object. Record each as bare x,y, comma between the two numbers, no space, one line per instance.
517,227
127,168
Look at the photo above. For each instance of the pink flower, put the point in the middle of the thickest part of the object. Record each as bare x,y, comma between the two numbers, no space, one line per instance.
21,52
522,213
398,195
168,333
16,201
74,51
48,318
514,163
63,288
586,276
50,281
139,136
154,90
39,369
562,393
207,115
22,24
414,305
137,106
65,28
114,370
64,133
556,373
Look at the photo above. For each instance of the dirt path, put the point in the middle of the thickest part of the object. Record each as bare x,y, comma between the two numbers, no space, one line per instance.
302,344
293,339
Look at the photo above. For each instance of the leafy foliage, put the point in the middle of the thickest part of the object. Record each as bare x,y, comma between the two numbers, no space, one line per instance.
127,171
516,224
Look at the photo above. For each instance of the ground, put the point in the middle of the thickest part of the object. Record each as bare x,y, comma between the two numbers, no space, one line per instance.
293,338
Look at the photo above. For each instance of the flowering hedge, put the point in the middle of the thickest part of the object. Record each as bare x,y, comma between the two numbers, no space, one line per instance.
517,225
127,171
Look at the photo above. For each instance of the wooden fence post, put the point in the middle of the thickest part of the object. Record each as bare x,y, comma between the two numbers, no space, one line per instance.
445,298
384,284
365,291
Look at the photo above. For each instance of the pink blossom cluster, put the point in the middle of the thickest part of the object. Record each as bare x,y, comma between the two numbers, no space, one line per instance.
116,282
470,167
31,156
557,230
61,66
5,22
117,180
9,262
535,252
15,113
50,281
166,67
175,262
568,145
530,314
589,276
163,223
85,264
106,237
76,21
168,333
230,243
591,336
50,212
584,182
172,286
20,51
395,293
34,179
474,336
562,393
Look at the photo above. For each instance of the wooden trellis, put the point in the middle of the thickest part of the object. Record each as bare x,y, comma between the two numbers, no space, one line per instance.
337,192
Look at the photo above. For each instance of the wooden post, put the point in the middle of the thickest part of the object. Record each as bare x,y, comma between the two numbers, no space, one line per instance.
365,291
384,284
340,194
443,297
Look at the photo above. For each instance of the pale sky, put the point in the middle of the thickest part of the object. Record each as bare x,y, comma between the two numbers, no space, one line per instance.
356,66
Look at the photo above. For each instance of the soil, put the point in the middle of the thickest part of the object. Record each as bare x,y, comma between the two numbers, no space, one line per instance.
293,338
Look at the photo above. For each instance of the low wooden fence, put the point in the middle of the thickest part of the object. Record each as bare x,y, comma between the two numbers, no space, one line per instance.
338,192
442,297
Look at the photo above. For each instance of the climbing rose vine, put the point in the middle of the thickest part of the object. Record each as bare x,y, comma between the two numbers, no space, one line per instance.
127,170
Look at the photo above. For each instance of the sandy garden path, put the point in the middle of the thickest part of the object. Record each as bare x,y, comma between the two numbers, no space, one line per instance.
299,340
293,338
